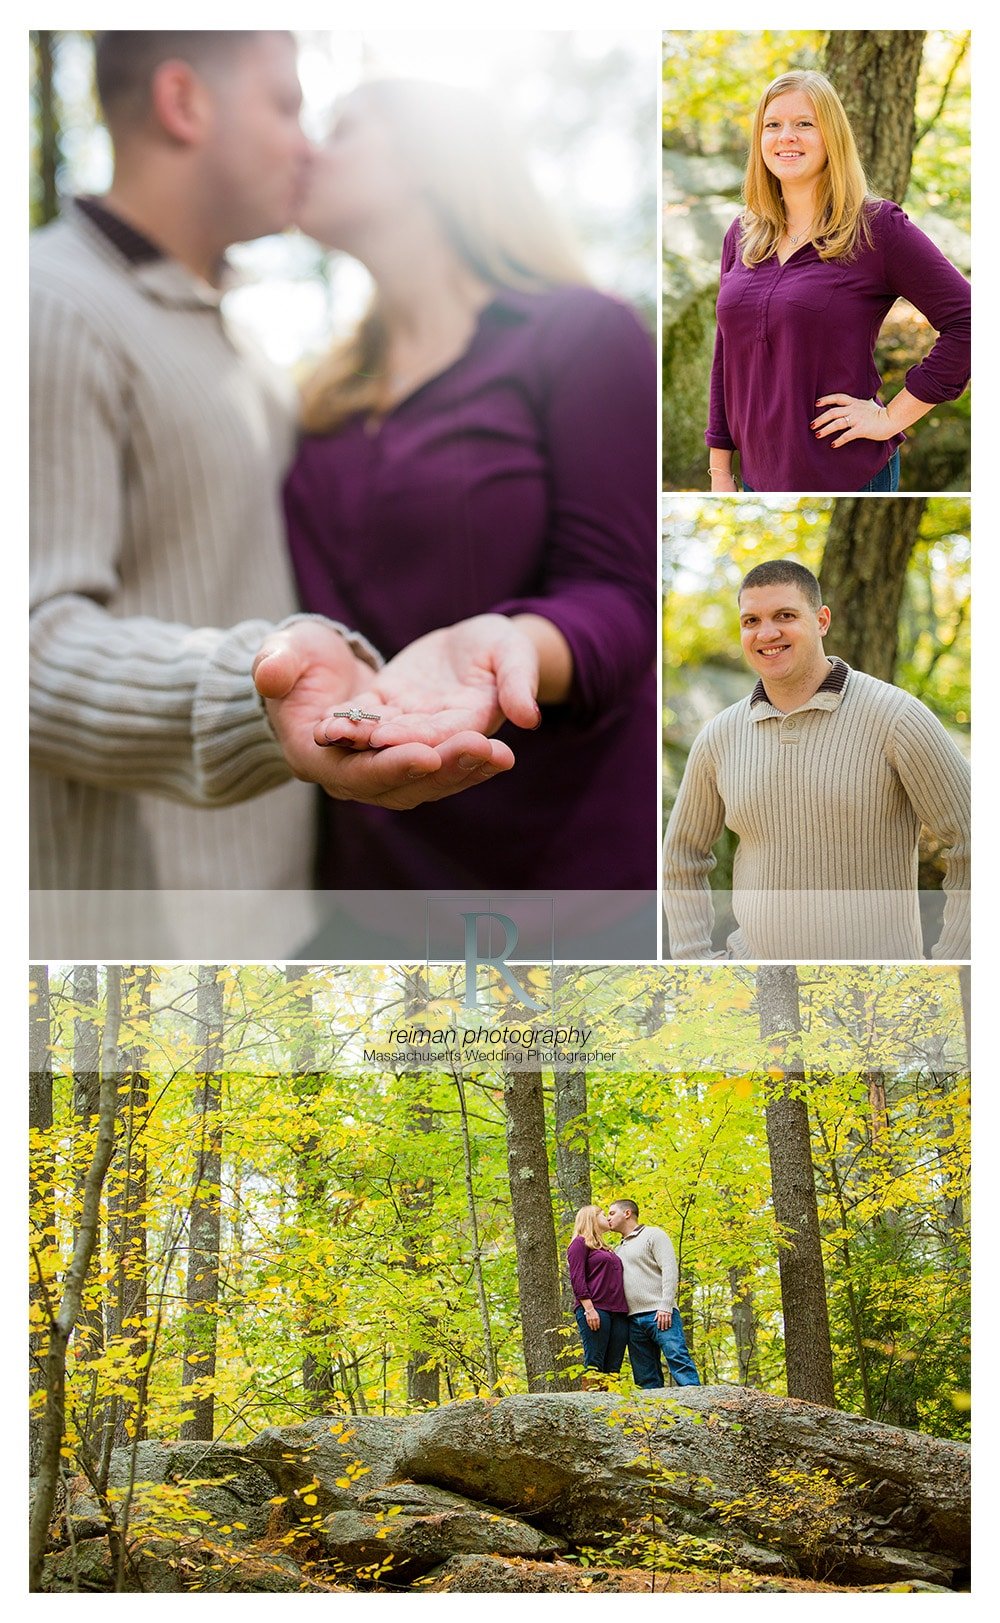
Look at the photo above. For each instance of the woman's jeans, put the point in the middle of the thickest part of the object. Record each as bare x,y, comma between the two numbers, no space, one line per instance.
648,1345
604,1348
887,479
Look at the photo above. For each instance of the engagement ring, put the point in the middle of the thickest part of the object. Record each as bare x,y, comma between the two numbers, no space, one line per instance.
354,714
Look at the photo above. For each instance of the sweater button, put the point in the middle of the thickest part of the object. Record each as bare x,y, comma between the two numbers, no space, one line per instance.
790,725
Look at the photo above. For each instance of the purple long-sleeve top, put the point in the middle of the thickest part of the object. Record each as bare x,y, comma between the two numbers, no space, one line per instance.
596,1276
523,478
789,334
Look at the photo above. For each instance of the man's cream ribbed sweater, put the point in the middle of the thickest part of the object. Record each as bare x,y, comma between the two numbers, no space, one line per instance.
649,1270
158,444
827,802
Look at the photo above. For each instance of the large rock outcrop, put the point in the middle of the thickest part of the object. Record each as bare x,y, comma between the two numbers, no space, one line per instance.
409,1528
782,1485
496,1492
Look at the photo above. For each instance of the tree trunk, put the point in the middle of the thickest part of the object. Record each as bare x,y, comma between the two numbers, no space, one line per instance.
965,988
863,574
538,1269
875,72
40,1179
89,1335
201,1323
61,1326
889,1393
423,1374
743,1318
572,1143
489,1356
127,1306
319,1379
47,206
572,1160
808,1355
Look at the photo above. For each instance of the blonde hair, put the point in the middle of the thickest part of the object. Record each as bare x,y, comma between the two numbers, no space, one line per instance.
487,206
843,199
586,1224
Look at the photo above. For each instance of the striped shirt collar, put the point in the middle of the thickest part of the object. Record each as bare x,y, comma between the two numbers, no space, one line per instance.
827,696
131,244
159,274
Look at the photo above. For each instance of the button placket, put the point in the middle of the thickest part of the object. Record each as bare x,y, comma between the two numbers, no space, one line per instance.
765,302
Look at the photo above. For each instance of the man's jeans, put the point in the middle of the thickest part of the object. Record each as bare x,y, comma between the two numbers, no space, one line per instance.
604,1348
645,1345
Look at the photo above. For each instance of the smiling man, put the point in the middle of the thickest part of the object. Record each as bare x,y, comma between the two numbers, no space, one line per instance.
826,775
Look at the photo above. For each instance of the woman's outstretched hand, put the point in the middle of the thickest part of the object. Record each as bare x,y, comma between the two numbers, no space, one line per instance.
851,419
472,676
307,669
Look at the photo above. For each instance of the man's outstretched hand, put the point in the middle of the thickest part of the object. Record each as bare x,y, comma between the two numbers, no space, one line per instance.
473,675
306,670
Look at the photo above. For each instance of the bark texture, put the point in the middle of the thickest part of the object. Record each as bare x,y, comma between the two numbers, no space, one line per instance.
319,1379
423,1373
538,1270
49,151
60,1326
205,1217
875,72
42,1207
572,1142
863,575
127,1304
89,1333
808,1355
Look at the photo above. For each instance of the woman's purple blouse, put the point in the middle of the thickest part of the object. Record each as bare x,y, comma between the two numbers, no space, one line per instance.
523,478
596,1274
789,334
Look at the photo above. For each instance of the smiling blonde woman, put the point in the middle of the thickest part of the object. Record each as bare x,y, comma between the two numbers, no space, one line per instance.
810,270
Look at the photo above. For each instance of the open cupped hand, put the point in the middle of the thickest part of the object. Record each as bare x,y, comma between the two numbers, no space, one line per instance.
307,669
467,677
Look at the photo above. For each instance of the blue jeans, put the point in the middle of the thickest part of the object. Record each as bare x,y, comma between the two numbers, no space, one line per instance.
646,1343
887,479
603,1349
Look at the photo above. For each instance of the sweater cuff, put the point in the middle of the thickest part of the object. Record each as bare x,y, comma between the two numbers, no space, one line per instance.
719,441
236,754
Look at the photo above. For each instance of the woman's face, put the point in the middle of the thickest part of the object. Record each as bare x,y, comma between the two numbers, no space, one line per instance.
791,143
601,1222
357,179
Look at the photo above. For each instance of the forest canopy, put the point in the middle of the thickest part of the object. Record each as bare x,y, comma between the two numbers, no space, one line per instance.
353,1233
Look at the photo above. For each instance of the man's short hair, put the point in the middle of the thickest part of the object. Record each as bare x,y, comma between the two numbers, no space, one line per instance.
628,1206
784,572
126,61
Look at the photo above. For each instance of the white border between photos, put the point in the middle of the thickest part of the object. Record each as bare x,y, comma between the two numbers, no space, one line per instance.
533,15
